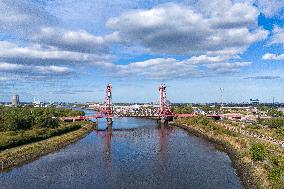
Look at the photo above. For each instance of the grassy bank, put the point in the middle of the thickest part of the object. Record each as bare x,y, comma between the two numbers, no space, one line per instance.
25,153
260,164
10,139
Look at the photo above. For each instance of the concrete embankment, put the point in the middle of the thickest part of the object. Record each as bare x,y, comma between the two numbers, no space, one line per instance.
26,153
244,170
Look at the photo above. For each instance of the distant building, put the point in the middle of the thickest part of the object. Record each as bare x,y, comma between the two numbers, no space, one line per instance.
16,100
254,102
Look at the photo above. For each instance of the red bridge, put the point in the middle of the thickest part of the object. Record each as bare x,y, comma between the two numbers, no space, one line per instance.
164,112
106,111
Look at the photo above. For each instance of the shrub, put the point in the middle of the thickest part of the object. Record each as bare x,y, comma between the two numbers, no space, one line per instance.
182,109
274,122
258,152
24,118
275,175
280,131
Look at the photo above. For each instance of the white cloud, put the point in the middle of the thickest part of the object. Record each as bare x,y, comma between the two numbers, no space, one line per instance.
23,17
208,34
159,68
79,41
170,68
178,29
270,8
34,70
270,56
202,59
52,69
11,50
4,66
227,67
277,36
228,14
4,78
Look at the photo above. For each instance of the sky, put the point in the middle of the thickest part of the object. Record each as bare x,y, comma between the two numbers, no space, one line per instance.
69,50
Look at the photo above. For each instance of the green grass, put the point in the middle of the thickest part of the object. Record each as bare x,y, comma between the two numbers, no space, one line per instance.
258,152
11,139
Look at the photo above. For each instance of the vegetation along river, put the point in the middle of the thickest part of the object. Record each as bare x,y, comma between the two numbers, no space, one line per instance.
137,153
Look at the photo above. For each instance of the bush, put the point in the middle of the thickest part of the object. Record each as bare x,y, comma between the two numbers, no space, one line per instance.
274,122
200,119
203,120
258,152
24,118
275,175
280,131
182,109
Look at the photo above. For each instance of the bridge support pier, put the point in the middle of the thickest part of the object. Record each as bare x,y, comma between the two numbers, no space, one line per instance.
109,123
96,124
162,121
165,120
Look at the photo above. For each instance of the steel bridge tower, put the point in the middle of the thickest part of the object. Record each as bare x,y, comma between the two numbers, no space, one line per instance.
165,114
108,107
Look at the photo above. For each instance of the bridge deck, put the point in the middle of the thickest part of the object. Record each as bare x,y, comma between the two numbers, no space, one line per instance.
97,116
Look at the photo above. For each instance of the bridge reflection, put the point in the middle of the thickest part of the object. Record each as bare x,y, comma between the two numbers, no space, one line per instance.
164,132
107,146
164,135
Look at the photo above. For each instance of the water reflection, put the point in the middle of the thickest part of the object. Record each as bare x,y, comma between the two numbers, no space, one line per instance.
164,134
135,153
107,146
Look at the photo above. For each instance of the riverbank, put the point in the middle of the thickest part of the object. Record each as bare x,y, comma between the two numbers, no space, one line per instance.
19,155
257,169
11,139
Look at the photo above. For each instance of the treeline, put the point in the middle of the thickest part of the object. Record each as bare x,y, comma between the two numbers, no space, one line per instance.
187,109
25,118
271,111
276,123
273,123
182,109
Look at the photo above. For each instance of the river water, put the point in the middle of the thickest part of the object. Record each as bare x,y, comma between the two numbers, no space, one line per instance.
136,153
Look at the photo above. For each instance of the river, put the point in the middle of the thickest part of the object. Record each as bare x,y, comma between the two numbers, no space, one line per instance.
137,153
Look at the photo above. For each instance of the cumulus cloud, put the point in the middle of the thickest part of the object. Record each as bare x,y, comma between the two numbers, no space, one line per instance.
270,8
227,13
202,59
4,66
11,51
19,68
159,68
177,29
52,69
208,35
79,41
277,36
227,67
23,17
170,68
271,56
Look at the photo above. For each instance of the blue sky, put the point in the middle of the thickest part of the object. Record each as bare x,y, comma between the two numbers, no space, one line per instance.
68,50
